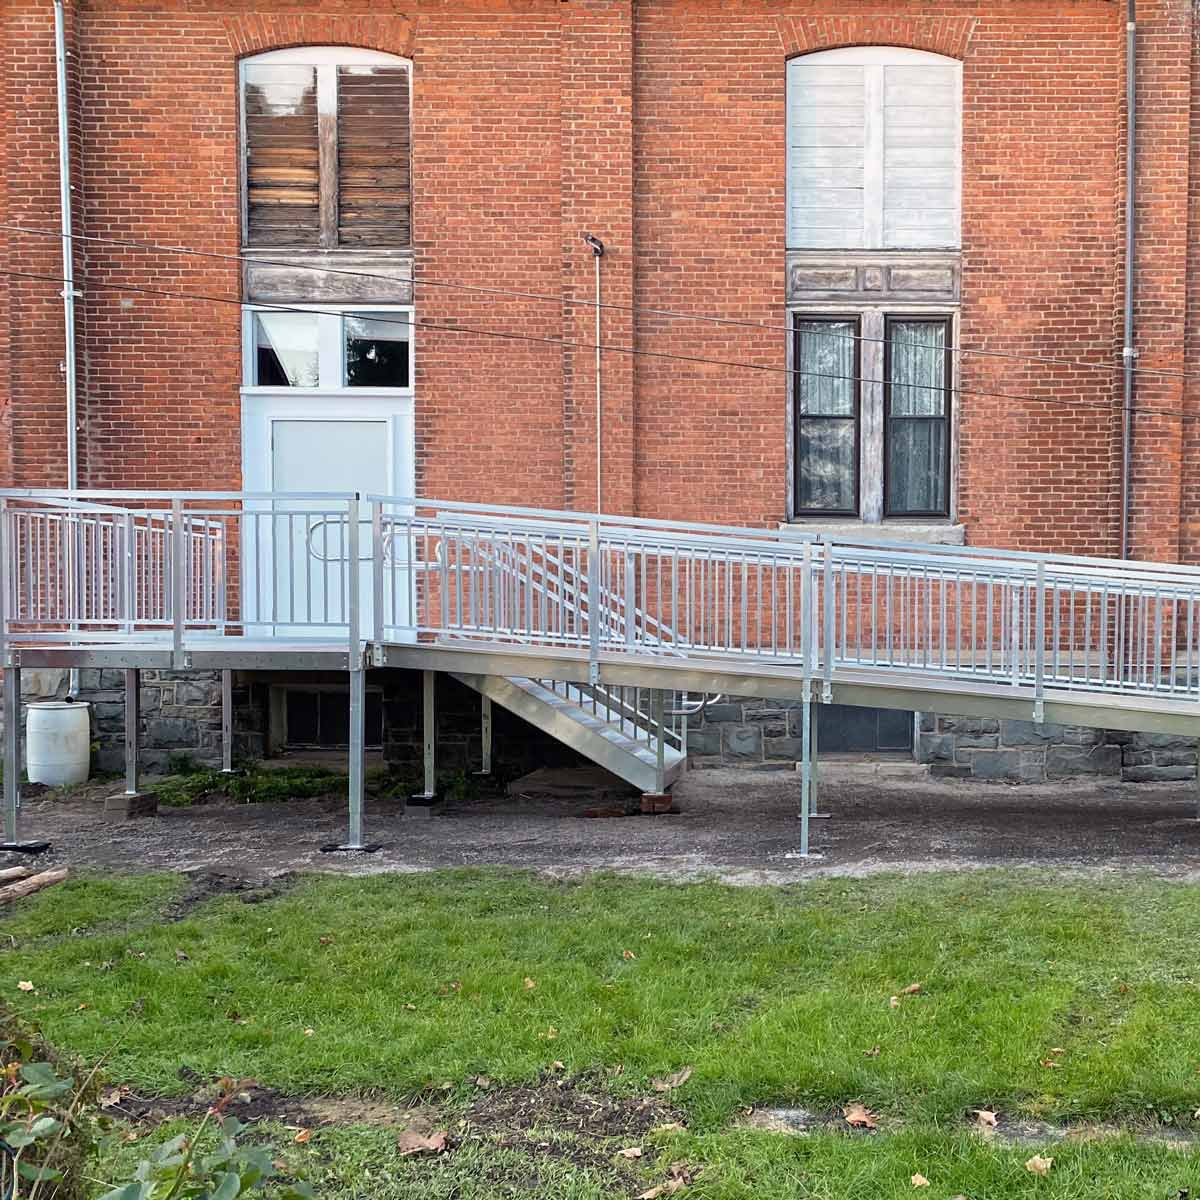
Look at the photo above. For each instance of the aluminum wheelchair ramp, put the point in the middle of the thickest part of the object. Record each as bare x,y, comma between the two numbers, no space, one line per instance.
562,615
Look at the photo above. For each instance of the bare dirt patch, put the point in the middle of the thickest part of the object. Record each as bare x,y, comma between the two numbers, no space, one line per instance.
209,885
739,826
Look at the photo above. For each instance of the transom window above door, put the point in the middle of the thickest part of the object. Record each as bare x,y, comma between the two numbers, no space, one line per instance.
871,416
357,349
874,150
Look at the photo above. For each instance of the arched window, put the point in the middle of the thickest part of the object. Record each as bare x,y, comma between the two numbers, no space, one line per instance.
874,149
326,149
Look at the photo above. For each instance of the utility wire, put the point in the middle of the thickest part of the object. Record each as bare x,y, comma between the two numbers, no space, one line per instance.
507,335
570,300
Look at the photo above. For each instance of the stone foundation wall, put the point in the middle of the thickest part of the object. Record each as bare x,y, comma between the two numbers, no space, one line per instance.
743,731
1021,751
180,711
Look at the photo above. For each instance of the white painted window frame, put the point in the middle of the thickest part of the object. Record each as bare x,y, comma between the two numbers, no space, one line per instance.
331,343
872,329
878,57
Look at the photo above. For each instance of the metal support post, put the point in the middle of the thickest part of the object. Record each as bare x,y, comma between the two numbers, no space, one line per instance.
805,775
815,767
133,712
485,734
807,778
357,753
660,758
429,723
227,722
12,751
358,689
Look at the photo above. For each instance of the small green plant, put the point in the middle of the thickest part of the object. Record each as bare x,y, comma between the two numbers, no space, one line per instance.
181,1170
252,786
45,1126
182,763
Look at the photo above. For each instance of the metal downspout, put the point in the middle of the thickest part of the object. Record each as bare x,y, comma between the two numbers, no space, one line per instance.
1128,353
68,267
68,256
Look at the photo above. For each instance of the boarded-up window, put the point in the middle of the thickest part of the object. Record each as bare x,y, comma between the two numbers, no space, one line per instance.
327,143
373,156
282,167
873,150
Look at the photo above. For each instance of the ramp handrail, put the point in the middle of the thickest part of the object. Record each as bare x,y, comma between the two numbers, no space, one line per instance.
123,566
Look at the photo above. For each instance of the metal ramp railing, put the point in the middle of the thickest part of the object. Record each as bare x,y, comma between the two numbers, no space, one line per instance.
597,601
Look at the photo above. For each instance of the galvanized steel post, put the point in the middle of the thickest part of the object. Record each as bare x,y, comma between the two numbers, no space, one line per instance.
133,712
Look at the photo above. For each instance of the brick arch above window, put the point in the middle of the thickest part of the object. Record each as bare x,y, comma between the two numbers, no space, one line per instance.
254,33
950,36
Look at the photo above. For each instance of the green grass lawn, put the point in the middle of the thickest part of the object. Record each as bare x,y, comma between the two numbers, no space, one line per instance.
406,984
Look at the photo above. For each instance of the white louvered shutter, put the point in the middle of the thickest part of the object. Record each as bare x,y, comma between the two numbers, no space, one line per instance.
873,150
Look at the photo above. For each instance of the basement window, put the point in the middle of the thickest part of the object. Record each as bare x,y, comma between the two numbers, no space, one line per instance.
326,148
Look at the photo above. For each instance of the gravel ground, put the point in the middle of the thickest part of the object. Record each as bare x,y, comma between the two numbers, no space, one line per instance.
736,825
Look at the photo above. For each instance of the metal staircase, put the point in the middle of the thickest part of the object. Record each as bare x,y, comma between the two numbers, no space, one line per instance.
635,733
611,729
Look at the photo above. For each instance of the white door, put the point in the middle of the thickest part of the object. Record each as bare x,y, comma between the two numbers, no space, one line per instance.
297,573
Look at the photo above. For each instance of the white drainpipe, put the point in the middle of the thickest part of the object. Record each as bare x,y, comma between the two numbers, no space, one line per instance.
68,267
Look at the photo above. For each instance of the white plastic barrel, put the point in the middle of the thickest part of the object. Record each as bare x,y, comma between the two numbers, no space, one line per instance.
57,743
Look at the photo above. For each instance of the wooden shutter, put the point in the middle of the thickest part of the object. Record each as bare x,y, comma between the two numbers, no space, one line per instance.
374,144
920,156
826,151
282,167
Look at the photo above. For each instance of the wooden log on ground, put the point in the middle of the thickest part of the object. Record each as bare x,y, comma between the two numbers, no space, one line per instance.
35,883
11,874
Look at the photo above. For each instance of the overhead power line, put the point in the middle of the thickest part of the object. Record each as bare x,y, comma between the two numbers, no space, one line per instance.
510,293
508,335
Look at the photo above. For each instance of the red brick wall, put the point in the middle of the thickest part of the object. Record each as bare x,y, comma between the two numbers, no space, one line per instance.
659,126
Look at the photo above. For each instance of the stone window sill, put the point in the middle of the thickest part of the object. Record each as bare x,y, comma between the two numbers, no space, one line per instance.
933,533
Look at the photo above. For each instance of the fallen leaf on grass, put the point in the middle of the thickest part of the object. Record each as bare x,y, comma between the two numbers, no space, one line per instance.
482,1081
1038,1165
669,1127
672,1081
1050,1064
630,1152
894,1002
302,1137
558,1065
309,1032
325,939
628,955
530,984
858,1116
549,1035
24,986
663,1189
872,1053
985,1121
113,1096
681,1176
919,1180
410,1143
911,990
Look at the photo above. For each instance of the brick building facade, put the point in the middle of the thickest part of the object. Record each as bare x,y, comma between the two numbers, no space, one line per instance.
661,127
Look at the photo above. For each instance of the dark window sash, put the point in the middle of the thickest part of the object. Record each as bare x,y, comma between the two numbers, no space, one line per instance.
889,421
801,420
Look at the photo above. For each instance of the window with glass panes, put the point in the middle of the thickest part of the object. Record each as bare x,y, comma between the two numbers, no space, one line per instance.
871,423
